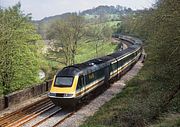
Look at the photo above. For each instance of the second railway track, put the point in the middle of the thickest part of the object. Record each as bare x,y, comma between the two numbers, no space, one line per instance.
16,118
38,114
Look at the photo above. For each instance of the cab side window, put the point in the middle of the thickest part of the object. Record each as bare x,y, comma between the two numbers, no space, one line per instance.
80,83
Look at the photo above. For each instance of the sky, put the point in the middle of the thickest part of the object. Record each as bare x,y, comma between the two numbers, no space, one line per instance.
44,8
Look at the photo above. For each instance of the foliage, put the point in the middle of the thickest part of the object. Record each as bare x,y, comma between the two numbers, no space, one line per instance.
156,89
172,120
99,33
156,26
66,34
19,65
101,10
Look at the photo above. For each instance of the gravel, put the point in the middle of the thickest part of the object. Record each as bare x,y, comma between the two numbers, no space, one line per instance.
40,117
55,119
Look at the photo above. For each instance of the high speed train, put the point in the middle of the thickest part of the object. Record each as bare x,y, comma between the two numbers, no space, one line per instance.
73,83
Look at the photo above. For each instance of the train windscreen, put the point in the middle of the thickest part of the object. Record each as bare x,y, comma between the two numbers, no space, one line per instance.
64,81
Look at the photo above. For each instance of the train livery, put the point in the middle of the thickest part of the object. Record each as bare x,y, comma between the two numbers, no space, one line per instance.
72,83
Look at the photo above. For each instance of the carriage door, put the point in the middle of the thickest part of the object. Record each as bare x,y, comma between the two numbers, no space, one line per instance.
107,74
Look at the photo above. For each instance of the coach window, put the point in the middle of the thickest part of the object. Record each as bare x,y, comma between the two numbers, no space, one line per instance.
90,78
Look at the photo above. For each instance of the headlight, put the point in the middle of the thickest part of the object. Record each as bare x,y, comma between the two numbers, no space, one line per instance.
52,94
68,95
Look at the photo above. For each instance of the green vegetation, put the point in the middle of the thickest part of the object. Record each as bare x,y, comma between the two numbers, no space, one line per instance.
86,50
19,57
137,104
111,23
170,121
154,93
66,35
152,98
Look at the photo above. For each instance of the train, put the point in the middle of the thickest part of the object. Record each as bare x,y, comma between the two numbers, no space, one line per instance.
71,84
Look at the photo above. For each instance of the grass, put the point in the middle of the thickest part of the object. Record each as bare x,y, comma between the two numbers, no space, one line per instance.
1,91
87,51
172,120
112,23
137,105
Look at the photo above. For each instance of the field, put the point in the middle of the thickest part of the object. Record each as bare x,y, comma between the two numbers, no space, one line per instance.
111,23
87,51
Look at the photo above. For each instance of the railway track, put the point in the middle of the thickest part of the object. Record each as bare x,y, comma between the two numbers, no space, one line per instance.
37,114
41,114
26,113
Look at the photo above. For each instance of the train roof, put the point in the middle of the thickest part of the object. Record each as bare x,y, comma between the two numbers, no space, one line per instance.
68,71
86,67
107,58
120,53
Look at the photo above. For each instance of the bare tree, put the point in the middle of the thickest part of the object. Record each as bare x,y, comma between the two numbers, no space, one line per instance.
67,33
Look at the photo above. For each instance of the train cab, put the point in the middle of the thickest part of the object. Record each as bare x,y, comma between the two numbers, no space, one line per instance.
62,92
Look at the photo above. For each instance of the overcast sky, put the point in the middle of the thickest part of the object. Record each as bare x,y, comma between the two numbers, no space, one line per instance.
45,8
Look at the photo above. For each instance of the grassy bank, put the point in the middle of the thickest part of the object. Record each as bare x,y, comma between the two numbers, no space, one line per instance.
139,104
171,120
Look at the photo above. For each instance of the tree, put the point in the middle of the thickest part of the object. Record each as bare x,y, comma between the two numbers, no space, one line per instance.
66,34
98,33
19,65
62,38
159,26
76,23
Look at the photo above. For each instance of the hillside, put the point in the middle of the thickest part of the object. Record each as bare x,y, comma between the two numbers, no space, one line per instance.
100,10
101,13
